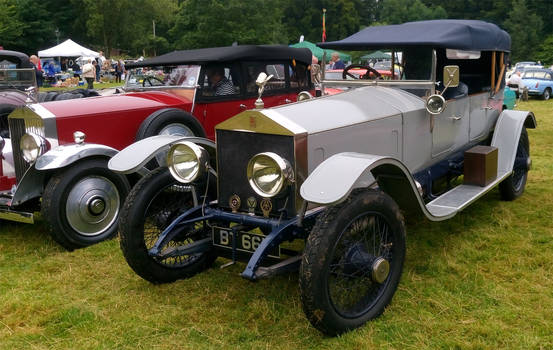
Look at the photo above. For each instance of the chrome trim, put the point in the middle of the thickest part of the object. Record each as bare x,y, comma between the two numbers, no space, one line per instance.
62,156
201,161
286,173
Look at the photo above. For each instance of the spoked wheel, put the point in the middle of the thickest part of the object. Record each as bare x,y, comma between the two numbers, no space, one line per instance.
154,202
352,262
513,186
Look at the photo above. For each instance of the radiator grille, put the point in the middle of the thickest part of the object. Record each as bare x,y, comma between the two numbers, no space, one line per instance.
234,150
18,127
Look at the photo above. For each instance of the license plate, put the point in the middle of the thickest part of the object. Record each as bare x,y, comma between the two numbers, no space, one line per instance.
246,241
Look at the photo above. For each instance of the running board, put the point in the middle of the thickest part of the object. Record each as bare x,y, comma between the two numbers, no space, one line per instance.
458,198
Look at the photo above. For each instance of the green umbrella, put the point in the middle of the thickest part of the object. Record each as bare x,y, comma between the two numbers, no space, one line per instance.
377,55
318,52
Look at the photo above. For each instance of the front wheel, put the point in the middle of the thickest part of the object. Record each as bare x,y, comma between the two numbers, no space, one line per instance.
154,202
81,204
352,262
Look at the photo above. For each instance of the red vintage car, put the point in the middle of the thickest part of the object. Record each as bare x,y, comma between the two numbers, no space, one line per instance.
182,92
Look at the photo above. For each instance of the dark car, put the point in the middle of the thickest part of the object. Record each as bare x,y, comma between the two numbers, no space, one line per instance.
16,75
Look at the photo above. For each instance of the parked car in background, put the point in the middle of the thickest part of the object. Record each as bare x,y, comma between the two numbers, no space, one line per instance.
336,173
56,159
17,74
539,82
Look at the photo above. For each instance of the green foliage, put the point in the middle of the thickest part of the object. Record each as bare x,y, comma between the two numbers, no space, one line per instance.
11,27
208,23
126,25
525,28
545,51
400,11
481,280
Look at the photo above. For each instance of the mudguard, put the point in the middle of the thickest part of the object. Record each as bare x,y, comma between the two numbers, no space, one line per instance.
65,155
135,156
334,179
506,135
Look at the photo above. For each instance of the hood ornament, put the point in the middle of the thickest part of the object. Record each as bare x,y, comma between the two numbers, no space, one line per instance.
261,81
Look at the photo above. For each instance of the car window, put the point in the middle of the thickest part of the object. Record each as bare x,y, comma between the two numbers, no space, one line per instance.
166,76
220,80
277,82
299,77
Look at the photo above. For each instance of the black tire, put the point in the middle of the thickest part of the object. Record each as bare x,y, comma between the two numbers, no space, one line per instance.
5,110
81,204
333,251
546,94
513,186
151,206
158,122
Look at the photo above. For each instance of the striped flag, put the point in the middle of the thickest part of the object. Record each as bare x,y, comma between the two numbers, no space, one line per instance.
324,26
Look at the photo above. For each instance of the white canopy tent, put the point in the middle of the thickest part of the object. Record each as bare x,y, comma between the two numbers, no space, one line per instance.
68,48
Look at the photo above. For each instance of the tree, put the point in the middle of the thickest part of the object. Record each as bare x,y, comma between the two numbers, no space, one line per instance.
525,28
11,27
401,11
208,23
545,51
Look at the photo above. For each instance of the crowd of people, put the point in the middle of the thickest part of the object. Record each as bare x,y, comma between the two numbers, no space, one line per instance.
91,70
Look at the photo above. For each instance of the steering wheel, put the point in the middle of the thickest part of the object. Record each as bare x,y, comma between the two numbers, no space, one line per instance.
150,81
346,73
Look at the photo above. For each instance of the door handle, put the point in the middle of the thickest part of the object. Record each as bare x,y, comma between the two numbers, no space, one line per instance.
487,107
243,106
455,118
287,100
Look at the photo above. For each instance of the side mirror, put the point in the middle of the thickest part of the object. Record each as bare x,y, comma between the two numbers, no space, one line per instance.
435,104
451,76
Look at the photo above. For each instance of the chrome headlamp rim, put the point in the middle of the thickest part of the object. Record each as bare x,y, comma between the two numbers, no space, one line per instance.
198,159
434,101
38,146
285,174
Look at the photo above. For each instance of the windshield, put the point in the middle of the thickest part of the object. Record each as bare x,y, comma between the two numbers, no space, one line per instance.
185,76
16,78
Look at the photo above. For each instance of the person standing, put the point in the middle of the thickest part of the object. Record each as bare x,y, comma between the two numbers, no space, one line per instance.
100,64
89,73
36,63
336,63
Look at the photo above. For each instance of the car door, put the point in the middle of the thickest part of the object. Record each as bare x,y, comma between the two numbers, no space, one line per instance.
451,127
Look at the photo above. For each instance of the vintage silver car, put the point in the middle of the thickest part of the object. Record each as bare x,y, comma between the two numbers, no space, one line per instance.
324,184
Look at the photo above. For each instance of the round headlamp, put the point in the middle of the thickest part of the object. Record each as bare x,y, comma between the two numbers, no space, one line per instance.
435,104
268,173
32,146
187,161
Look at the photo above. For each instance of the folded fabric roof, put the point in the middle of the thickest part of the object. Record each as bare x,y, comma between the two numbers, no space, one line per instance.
227,53
445,33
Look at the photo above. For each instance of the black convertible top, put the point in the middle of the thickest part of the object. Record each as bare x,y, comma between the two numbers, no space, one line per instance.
19,58
227,53
444,33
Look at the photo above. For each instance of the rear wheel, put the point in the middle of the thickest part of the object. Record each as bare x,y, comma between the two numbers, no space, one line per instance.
513,186
352,262
81,204
154,202
546,94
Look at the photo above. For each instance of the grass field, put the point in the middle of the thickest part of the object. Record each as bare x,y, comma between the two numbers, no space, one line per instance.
482,280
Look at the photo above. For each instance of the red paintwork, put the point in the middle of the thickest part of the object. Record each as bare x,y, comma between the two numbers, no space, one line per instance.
110,120
114,120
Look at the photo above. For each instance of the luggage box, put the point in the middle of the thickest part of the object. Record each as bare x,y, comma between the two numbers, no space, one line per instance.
480,165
